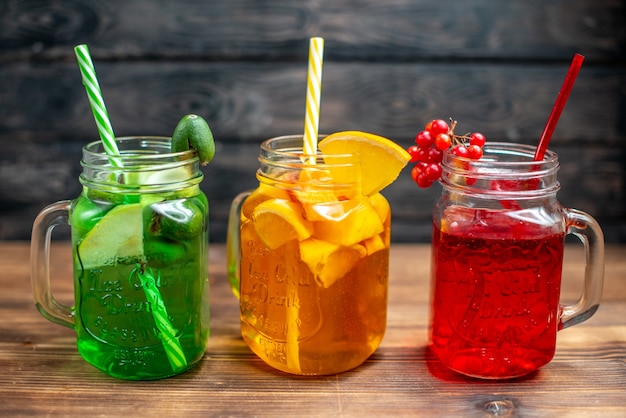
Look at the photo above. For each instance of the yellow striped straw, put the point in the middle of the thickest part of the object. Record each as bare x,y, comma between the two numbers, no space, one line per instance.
313,93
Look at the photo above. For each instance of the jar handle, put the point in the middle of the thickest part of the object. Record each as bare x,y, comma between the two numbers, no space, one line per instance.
587,229
50,217
233,250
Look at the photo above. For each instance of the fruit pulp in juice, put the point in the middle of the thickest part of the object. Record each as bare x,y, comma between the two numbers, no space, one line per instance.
316,303
116,240
496,279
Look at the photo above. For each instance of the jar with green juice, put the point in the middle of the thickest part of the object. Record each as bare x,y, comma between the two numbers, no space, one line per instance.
139,233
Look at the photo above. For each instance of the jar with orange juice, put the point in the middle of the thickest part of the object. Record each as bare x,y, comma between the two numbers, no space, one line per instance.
309,252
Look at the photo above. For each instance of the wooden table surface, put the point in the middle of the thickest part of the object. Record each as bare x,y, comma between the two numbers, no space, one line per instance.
41,373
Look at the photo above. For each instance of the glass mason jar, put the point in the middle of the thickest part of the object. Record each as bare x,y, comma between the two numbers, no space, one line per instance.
139,233
309,260
497,255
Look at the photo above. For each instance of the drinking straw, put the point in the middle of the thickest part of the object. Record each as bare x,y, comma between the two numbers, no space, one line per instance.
90,81
173,349
167,334
558,106
309,148
313,93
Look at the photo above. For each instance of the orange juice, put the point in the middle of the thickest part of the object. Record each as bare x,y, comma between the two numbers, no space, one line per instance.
309,252
312,305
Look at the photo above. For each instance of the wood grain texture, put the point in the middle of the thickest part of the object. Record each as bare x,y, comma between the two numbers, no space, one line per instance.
44,375
241,64
278,29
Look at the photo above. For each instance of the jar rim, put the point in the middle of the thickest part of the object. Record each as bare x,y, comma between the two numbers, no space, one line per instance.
505,169
145,163
291,147
279,157
492,152
137,148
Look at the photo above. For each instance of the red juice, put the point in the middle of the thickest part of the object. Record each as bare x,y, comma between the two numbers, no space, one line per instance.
496,277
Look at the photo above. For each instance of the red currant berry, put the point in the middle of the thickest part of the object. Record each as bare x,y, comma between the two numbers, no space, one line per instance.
433,172
435,155
438,126
422,155
442,142
477,139
416,171
423,182
460,151
413,152
421,166
474,152
424,139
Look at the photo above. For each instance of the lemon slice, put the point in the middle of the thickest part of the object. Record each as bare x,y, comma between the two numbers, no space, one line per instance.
327,261
278,221
380,159
118,235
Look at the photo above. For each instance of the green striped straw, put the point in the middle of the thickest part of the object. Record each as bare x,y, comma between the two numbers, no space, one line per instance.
167,333
98,108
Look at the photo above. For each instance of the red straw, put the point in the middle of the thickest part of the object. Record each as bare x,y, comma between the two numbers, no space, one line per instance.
559,104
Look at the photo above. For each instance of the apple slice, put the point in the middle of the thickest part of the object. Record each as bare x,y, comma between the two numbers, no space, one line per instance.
118,235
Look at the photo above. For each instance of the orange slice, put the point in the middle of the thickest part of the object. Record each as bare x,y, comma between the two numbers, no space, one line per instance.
380,159
278,221
381,205
310,190
327,261
374,244
331,211
259,195
348,227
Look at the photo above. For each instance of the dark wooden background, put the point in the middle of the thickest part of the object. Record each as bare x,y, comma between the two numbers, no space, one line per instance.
390,66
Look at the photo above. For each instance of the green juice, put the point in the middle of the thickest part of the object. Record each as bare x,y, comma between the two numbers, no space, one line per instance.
140,280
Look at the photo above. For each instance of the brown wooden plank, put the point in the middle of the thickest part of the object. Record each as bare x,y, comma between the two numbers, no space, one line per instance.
251,102
44,375
364,30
